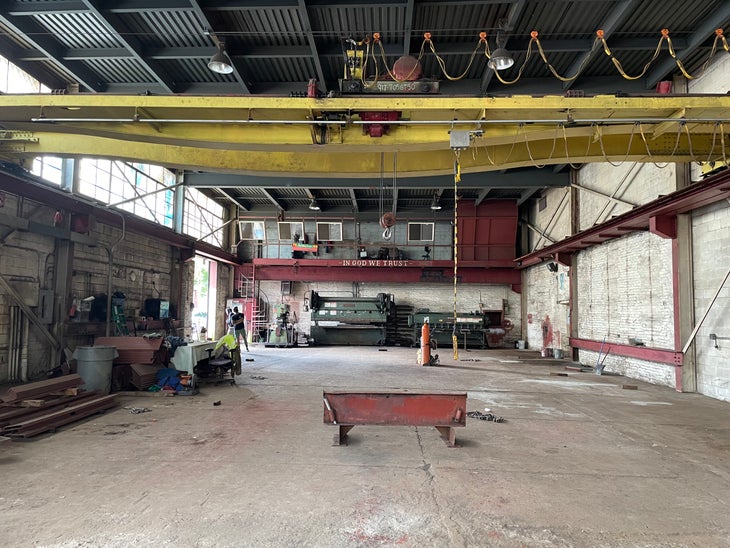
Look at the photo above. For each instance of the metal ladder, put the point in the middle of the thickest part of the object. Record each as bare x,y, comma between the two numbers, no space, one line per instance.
120,321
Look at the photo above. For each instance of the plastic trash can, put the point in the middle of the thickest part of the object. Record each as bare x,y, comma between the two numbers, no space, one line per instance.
94,364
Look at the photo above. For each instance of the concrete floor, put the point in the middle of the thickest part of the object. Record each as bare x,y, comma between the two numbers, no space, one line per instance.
578,462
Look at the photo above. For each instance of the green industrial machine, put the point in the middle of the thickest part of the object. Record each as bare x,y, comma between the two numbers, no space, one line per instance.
350,320
473,329
281,332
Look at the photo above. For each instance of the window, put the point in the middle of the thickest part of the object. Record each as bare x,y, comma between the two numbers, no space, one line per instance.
49,168
291,231
15,80
203,218
111,181
420,232
329,232
251,230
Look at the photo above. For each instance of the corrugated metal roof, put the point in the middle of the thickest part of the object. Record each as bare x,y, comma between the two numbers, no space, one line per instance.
278,45
79,30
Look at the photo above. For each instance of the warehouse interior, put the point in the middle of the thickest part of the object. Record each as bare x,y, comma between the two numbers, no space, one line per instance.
430,212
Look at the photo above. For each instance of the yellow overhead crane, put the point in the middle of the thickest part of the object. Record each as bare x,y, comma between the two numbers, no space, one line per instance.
331,137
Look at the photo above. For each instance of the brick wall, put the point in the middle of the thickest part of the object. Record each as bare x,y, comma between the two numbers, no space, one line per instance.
630,182
624,293
546,295
711,261
141,268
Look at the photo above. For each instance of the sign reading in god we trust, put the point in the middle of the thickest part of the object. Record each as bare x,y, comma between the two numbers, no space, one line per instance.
376,263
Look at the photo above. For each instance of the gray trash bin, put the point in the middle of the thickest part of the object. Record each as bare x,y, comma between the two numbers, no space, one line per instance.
95,366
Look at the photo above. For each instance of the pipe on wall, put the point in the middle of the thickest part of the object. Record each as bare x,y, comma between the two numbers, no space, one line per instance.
15,350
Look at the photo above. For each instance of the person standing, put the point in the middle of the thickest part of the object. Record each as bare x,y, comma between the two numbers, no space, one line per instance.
229,321
239,325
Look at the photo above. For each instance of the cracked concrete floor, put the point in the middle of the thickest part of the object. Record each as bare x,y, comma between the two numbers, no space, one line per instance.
579,461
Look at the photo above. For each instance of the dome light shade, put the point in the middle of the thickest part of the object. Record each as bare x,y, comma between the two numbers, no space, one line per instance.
220,62
435,204
314,205
501,60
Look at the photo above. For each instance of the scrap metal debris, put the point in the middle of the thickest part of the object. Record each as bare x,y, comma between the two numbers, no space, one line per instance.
138,410
257,377
484,416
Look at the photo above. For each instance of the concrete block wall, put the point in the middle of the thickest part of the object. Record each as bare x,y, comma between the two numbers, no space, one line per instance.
139,260
634,183
437,298
624,291
546,295
25,259
141,269
711,262
553,221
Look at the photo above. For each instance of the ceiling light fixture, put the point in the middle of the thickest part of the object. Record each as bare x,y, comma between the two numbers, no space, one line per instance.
435,203
501,58
220,62
314,205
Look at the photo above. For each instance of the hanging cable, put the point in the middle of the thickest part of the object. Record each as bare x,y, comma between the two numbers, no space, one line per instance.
600,40
599,132
529,152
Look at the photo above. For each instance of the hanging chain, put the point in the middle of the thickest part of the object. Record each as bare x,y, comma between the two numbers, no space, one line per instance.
457,178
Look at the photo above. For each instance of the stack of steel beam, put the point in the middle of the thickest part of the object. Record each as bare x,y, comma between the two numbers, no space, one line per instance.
31,409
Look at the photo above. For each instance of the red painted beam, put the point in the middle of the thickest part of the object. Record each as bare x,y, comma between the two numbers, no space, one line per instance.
630,351
664,226
694,196
308,270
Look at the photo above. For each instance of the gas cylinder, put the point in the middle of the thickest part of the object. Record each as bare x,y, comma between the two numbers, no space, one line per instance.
425,344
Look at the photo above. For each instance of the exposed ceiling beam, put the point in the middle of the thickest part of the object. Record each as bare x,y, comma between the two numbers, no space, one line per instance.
74,6
39,37
306,23
238,72
704,33
408,27
331,51
116,28
272,199
512,179
482,195
229,195
609,26
353,199
526,194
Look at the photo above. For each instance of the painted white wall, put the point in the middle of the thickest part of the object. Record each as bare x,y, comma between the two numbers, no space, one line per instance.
435,297
711,261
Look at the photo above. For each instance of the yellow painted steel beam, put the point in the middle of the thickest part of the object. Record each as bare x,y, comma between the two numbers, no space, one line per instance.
282,136
579,147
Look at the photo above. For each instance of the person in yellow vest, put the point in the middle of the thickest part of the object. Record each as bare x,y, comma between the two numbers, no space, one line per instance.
230,342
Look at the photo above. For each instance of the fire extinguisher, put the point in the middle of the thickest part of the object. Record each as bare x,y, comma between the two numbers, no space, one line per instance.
425,344
312,91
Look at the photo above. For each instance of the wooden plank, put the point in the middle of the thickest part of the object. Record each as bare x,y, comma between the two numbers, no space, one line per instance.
65,392
41,388
32,403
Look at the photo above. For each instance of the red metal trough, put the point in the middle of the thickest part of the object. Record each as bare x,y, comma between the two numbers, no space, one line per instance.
444,411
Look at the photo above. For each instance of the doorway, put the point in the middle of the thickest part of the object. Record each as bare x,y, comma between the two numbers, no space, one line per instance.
204,298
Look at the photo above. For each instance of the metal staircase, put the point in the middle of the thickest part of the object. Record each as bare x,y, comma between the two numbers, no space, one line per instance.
257,313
